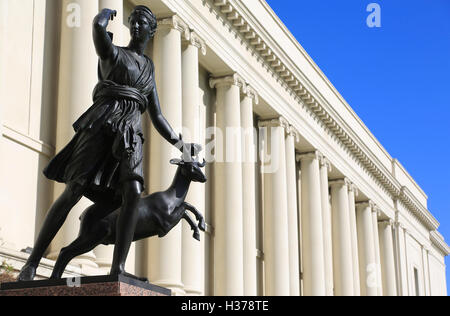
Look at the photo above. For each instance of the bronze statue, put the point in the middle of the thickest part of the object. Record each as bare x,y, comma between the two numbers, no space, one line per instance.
157,215
104,160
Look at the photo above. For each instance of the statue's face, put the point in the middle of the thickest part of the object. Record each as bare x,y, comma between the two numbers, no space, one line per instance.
140,28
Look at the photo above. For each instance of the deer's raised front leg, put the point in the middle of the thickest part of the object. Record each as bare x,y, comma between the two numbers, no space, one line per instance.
198,216
193,226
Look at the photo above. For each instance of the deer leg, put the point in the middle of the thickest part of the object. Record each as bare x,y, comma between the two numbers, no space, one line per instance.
193,226
83,244
198,216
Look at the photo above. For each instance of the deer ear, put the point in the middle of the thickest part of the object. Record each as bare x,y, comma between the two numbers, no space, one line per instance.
177,162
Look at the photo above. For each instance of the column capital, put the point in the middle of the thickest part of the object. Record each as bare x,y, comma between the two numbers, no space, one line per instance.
365,204
292,131
230,80
387,222
277,122
252,94
196,41
340,182
175,22
325,163
309,156
353,188
377,210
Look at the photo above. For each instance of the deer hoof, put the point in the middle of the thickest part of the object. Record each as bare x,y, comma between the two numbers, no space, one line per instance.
202,225
197,236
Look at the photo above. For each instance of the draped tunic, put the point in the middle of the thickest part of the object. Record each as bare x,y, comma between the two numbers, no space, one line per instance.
107,148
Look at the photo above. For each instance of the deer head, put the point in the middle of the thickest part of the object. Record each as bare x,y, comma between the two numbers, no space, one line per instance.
192,170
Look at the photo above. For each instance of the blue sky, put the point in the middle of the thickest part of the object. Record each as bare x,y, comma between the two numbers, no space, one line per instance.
396,78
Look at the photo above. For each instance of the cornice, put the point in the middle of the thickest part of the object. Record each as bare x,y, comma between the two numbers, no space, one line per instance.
438,241
416,208
298,86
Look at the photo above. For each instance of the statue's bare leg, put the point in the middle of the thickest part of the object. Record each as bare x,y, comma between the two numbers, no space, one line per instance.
92,233
56,217
126,225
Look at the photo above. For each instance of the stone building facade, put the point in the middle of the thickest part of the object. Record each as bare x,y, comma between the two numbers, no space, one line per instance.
301,200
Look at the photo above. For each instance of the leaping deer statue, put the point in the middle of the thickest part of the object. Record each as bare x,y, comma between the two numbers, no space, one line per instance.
159,213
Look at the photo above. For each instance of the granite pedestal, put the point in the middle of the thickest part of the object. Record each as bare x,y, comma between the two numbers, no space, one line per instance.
89,286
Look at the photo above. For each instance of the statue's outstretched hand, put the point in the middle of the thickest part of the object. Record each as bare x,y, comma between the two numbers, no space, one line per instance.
189,150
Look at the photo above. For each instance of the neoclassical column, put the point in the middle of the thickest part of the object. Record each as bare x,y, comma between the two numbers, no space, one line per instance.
249,191
387,258
402,287
228,240
193,252
366,249
276,243
375,214
352,193
164,255
426,268
325,167
312,225
77,79
292,137
342,243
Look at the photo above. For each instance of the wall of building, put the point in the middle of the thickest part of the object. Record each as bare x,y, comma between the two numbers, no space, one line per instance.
30,77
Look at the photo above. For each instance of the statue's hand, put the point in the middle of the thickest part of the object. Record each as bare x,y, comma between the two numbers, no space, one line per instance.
110,14
192,149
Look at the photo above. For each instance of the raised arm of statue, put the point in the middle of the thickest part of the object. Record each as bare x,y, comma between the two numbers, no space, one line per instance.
102,41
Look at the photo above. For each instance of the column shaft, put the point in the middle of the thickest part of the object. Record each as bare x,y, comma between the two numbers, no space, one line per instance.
401,258
354,238
312,227
377,251
276,243
249,195
193,253
164,254
228,241
291,185
77,79
387,259
342,246
366,248
327,231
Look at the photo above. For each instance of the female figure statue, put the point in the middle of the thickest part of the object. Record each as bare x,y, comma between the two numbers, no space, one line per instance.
104,160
